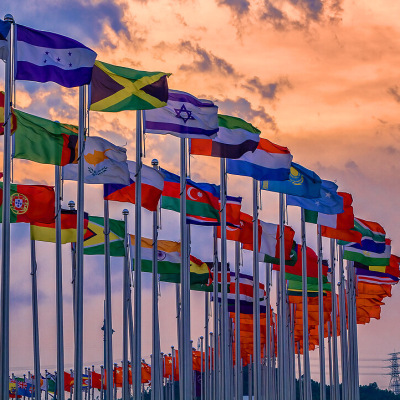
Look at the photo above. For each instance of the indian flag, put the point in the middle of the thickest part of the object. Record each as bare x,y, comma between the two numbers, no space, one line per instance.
168,255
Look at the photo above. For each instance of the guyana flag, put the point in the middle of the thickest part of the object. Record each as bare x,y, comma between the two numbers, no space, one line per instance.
44,141
30,203
94,237
13,118
47,232
117,89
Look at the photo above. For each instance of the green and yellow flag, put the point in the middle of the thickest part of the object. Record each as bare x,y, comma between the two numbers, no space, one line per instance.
117,89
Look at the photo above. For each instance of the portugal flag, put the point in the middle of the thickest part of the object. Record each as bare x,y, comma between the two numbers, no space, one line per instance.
30,203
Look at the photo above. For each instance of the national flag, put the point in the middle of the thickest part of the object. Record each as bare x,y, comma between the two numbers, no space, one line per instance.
68,382
302,182
24,388
268,162
168,255
94,237
184,116
368,253
151,188
296,285
30,203
371,232
202,199
12,388
342,221
291,260
378,278
4,30
234,138
329,201
95,380
51,383
347,235
116,88
243,233
233,205
45,56
44,141
13,117
47,232
104,163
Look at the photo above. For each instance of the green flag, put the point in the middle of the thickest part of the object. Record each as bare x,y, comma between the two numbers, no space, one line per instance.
44,141
94,238
291,261
117,89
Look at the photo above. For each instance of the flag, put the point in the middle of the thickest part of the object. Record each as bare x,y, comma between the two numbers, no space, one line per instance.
243,233
378,278
329,201
202,199
104,163
30,203
94,237
45,56
4,30
291,260
116,88
234,138
370,231
24,388
51,383
302,182
342,221
152,187
367,253
47,232
350,235
268,162
13,117
44,141
168,255
233,205
184,116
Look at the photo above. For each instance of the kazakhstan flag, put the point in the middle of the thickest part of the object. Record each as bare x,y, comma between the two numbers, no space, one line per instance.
302,182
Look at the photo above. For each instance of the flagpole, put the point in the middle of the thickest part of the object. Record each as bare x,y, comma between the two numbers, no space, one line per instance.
216,382
5,237
237,322
155,367
130,323
35,320
321,318
207,355
59,291
355,335
125,311
306,355
224,284
268,330
78,328
335,365
137,363
331,385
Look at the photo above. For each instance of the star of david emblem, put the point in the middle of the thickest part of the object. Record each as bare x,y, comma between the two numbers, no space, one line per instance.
183,113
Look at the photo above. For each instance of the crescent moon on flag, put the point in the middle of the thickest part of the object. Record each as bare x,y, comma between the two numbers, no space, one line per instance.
189,195
231,228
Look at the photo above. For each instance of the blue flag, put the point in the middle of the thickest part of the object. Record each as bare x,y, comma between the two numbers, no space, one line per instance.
329,201
302,182
45,56
4,29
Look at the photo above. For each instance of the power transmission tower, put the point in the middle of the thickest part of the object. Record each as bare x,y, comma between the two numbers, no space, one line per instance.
394,366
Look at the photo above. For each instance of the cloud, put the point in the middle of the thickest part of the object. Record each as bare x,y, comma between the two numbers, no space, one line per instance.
204,61
238,6
267,90
395,93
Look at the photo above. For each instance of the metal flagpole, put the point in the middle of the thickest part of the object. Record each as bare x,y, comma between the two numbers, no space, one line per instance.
130,323
256,297
185,350
237,323
137,362
355,336
155,367
335,365
299,370
5,237
207,355
331,386
321,318
173,371
306,355
268,330
201,369
216,382
224,284
108,310
59,291
125,311
35,319
78,328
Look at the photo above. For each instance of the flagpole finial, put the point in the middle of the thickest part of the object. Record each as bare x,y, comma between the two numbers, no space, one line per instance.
154,162
9,17
125,211
71,205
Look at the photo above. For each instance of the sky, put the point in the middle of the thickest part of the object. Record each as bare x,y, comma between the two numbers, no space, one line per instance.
316,76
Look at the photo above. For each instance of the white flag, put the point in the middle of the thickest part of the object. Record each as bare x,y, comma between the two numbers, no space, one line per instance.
104,162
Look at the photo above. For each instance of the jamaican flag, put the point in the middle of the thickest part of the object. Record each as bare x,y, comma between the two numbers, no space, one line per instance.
117,89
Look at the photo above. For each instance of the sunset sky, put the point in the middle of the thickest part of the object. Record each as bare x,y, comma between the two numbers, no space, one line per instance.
319,77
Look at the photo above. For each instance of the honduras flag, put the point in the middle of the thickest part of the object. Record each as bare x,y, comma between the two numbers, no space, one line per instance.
45,56
329,202
268,162
302,182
